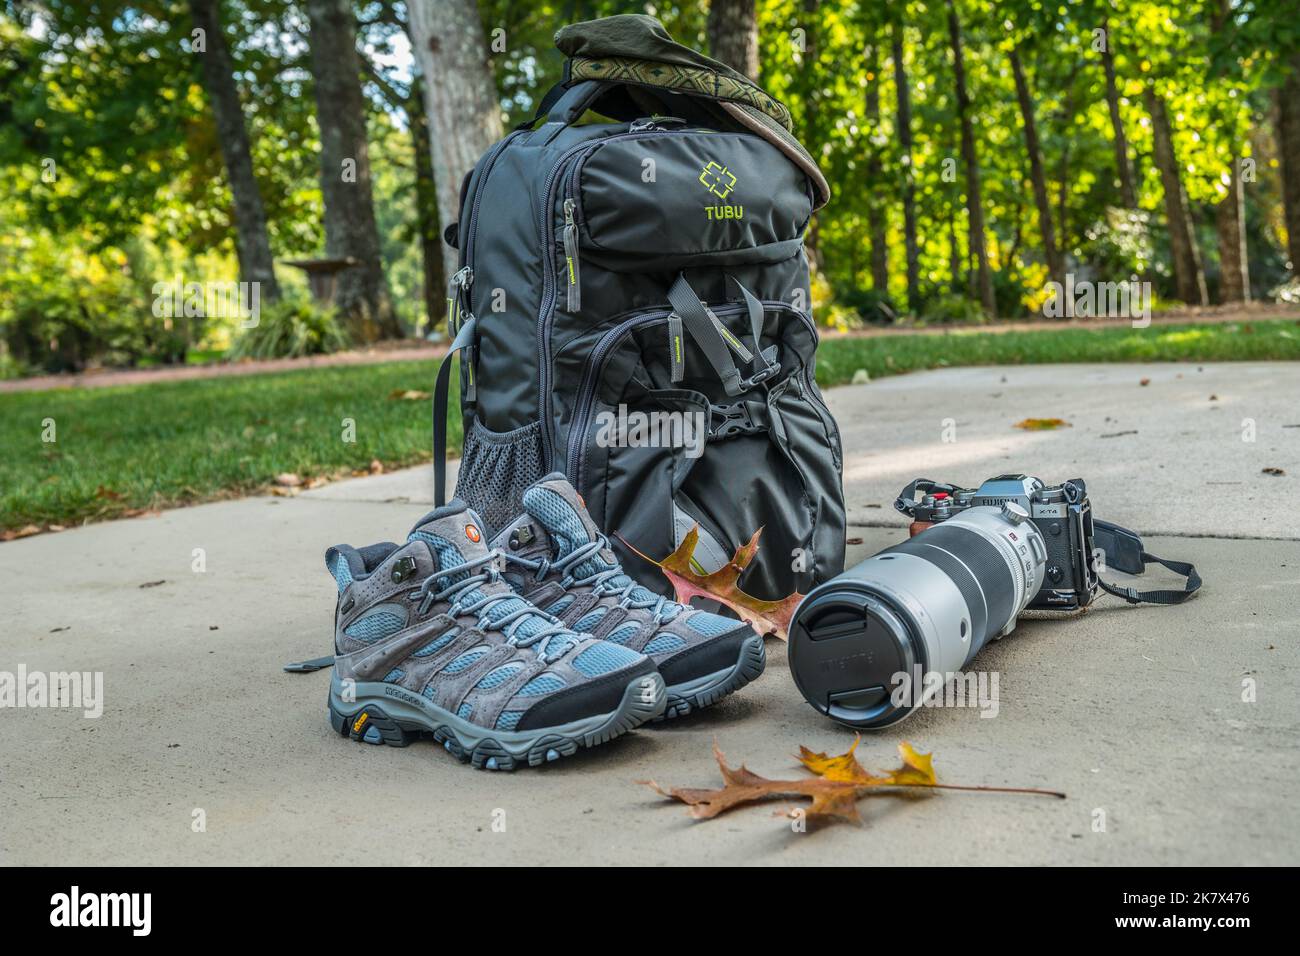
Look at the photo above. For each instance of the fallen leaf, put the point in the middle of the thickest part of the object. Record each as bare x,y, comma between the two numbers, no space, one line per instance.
1214,398
830,798
376,467
766,617
408,395
153,584
1274,471
1042,424
834,789
284,492
316,481
108,494
288,479
24,532
852,540
1145,382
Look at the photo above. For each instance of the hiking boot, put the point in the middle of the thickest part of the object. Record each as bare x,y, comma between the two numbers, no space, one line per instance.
430,640
558,559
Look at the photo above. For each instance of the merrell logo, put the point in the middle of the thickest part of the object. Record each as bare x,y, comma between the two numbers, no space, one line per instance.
724,212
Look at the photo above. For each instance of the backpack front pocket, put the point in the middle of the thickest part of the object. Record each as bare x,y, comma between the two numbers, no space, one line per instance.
653,435
684,198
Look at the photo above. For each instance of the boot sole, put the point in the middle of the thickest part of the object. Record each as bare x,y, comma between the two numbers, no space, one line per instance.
704,691
389,714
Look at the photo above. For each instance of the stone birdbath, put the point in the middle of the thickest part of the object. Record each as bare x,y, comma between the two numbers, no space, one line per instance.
322,275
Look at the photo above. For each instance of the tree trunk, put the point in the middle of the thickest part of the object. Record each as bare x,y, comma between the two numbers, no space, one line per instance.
1127,191
1055,267
460,96
956,261
733,35
1229,217
1063,182
361,293
974,203
875,208
426,206
1288,148
252,243
1230,213
904,123
1189,280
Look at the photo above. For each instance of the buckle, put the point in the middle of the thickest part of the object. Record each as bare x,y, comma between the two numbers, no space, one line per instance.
759,377
728,421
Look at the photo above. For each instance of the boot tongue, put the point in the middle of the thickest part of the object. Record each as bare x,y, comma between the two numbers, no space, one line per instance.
560,511
454,534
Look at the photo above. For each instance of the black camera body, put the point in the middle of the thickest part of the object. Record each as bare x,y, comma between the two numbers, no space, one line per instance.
1061,513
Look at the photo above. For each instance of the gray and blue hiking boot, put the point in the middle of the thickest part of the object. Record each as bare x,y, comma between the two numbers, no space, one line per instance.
559,560
429,640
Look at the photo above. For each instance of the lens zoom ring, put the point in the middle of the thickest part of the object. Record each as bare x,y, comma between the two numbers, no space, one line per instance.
977,558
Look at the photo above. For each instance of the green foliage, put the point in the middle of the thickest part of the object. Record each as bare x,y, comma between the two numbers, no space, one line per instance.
66,304
115,180
291,328
950,308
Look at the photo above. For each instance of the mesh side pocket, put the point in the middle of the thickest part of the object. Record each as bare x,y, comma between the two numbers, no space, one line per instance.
496,469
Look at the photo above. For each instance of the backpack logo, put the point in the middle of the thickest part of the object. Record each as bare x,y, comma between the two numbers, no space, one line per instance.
720,181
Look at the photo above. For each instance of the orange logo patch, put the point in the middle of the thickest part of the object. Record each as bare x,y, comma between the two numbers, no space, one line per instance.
472,533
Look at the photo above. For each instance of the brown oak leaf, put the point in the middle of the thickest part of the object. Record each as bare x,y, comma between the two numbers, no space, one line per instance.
836,785
765,617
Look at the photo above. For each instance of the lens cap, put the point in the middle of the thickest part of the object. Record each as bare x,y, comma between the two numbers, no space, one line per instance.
846,649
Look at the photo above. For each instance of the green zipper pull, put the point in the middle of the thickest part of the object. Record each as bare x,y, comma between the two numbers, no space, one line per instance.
574,302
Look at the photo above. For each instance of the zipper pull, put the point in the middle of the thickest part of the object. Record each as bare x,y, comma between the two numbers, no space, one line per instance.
654,122
676,349
574,302
461,279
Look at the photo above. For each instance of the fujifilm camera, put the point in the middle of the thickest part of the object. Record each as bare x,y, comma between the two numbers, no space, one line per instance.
1062,515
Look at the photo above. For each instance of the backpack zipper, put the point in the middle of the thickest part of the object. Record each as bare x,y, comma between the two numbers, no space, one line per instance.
544,227
574,302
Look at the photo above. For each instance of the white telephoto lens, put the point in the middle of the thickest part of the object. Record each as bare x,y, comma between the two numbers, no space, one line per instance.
925,606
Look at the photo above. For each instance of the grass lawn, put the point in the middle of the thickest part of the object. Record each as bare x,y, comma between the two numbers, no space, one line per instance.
129,447
124,448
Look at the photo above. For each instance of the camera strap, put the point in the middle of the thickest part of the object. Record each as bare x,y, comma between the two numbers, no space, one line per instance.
1124,552
1134,596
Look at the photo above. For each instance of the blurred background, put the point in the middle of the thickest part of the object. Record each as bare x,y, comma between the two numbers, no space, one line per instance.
977,150
231,211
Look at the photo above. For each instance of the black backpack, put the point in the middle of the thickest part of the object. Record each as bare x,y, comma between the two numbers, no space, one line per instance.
633,310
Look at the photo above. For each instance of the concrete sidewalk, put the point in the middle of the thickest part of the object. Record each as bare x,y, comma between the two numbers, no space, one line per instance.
1134,712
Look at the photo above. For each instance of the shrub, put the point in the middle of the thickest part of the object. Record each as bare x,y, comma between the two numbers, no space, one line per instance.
873,305
952,308
290,328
